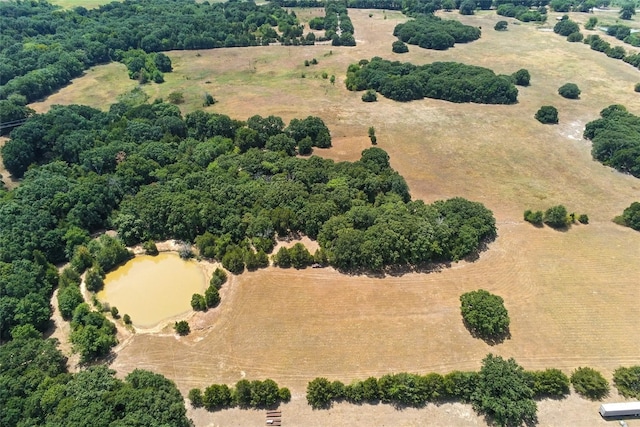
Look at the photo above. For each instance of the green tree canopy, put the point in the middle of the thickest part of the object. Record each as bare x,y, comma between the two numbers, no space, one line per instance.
485,315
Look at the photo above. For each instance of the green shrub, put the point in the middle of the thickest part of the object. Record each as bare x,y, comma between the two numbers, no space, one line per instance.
198,302
195,396
569,91
636,88
550,383
370,96
501,26
627,381
556,216
589,383
484,314
150,248
535,218
547,114
399,46
583,219
631,216
521,77
575,37
126,319
182,327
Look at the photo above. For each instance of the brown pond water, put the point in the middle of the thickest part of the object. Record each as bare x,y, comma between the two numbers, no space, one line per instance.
151,289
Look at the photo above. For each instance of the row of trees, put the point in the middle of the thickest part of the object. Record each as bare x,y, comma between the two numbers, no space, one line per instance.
615,139
337,24
570,29
502,389
450,81
522,13
246,394
44,47
555,217
431,32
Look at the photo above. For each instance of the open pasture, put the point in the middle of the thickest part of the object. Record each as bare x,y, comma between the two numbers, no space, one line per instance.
572,296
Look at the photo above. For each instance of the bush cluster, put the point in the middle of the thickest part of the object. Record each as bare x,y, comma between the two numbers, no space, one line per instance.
522,13
450,81
431,32
246,394
616,139
555,216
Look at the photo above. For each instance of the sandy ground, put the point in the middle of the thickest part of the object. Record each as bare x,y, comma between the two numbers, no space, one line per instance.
572,296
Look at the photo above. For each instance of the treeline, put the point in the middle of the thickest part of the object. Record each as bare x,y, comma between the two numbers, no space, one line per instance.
615,139
450,81
337,24
501,389
246,394
571,30
522,13
555,217
431,32
43,47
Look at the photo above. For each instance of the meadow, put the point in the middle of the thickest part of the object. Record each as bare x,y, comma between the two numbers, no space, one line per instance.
572,295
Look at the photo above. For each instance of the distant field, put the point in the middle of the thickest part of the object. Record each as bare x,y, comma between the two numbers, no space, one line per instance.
572,296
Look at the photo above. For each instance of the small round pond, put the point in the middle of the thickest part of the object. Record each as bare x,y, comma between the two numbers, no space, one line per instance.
151,289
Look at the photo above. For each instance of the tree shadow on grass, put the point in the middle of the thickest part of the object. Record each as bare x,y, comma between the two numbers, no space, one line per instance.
491,340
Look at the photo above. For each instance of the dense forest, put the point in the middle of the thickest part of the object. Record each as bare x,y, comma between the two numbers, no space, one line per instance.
450,81
42,47
616,139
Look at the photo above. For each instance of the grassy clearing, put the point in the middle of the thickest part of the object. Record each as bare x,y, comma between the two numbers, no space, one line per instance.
572,296
88,4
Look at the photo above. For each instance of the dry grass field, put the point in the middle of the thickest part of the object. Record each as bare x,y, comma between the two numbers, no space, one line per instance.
573,296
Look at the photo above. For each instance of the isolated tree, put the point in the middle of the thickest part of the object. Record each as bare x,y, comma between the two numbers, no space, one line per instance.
569,91
556,216
547,114
484,314
575,37
370,96
176,98
501,26
591,23
182,327
627,10
589,383
503,392
126,319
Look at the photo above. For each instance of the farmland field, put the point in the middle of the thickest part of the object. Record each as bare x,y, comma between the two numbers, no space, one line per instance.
572,295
